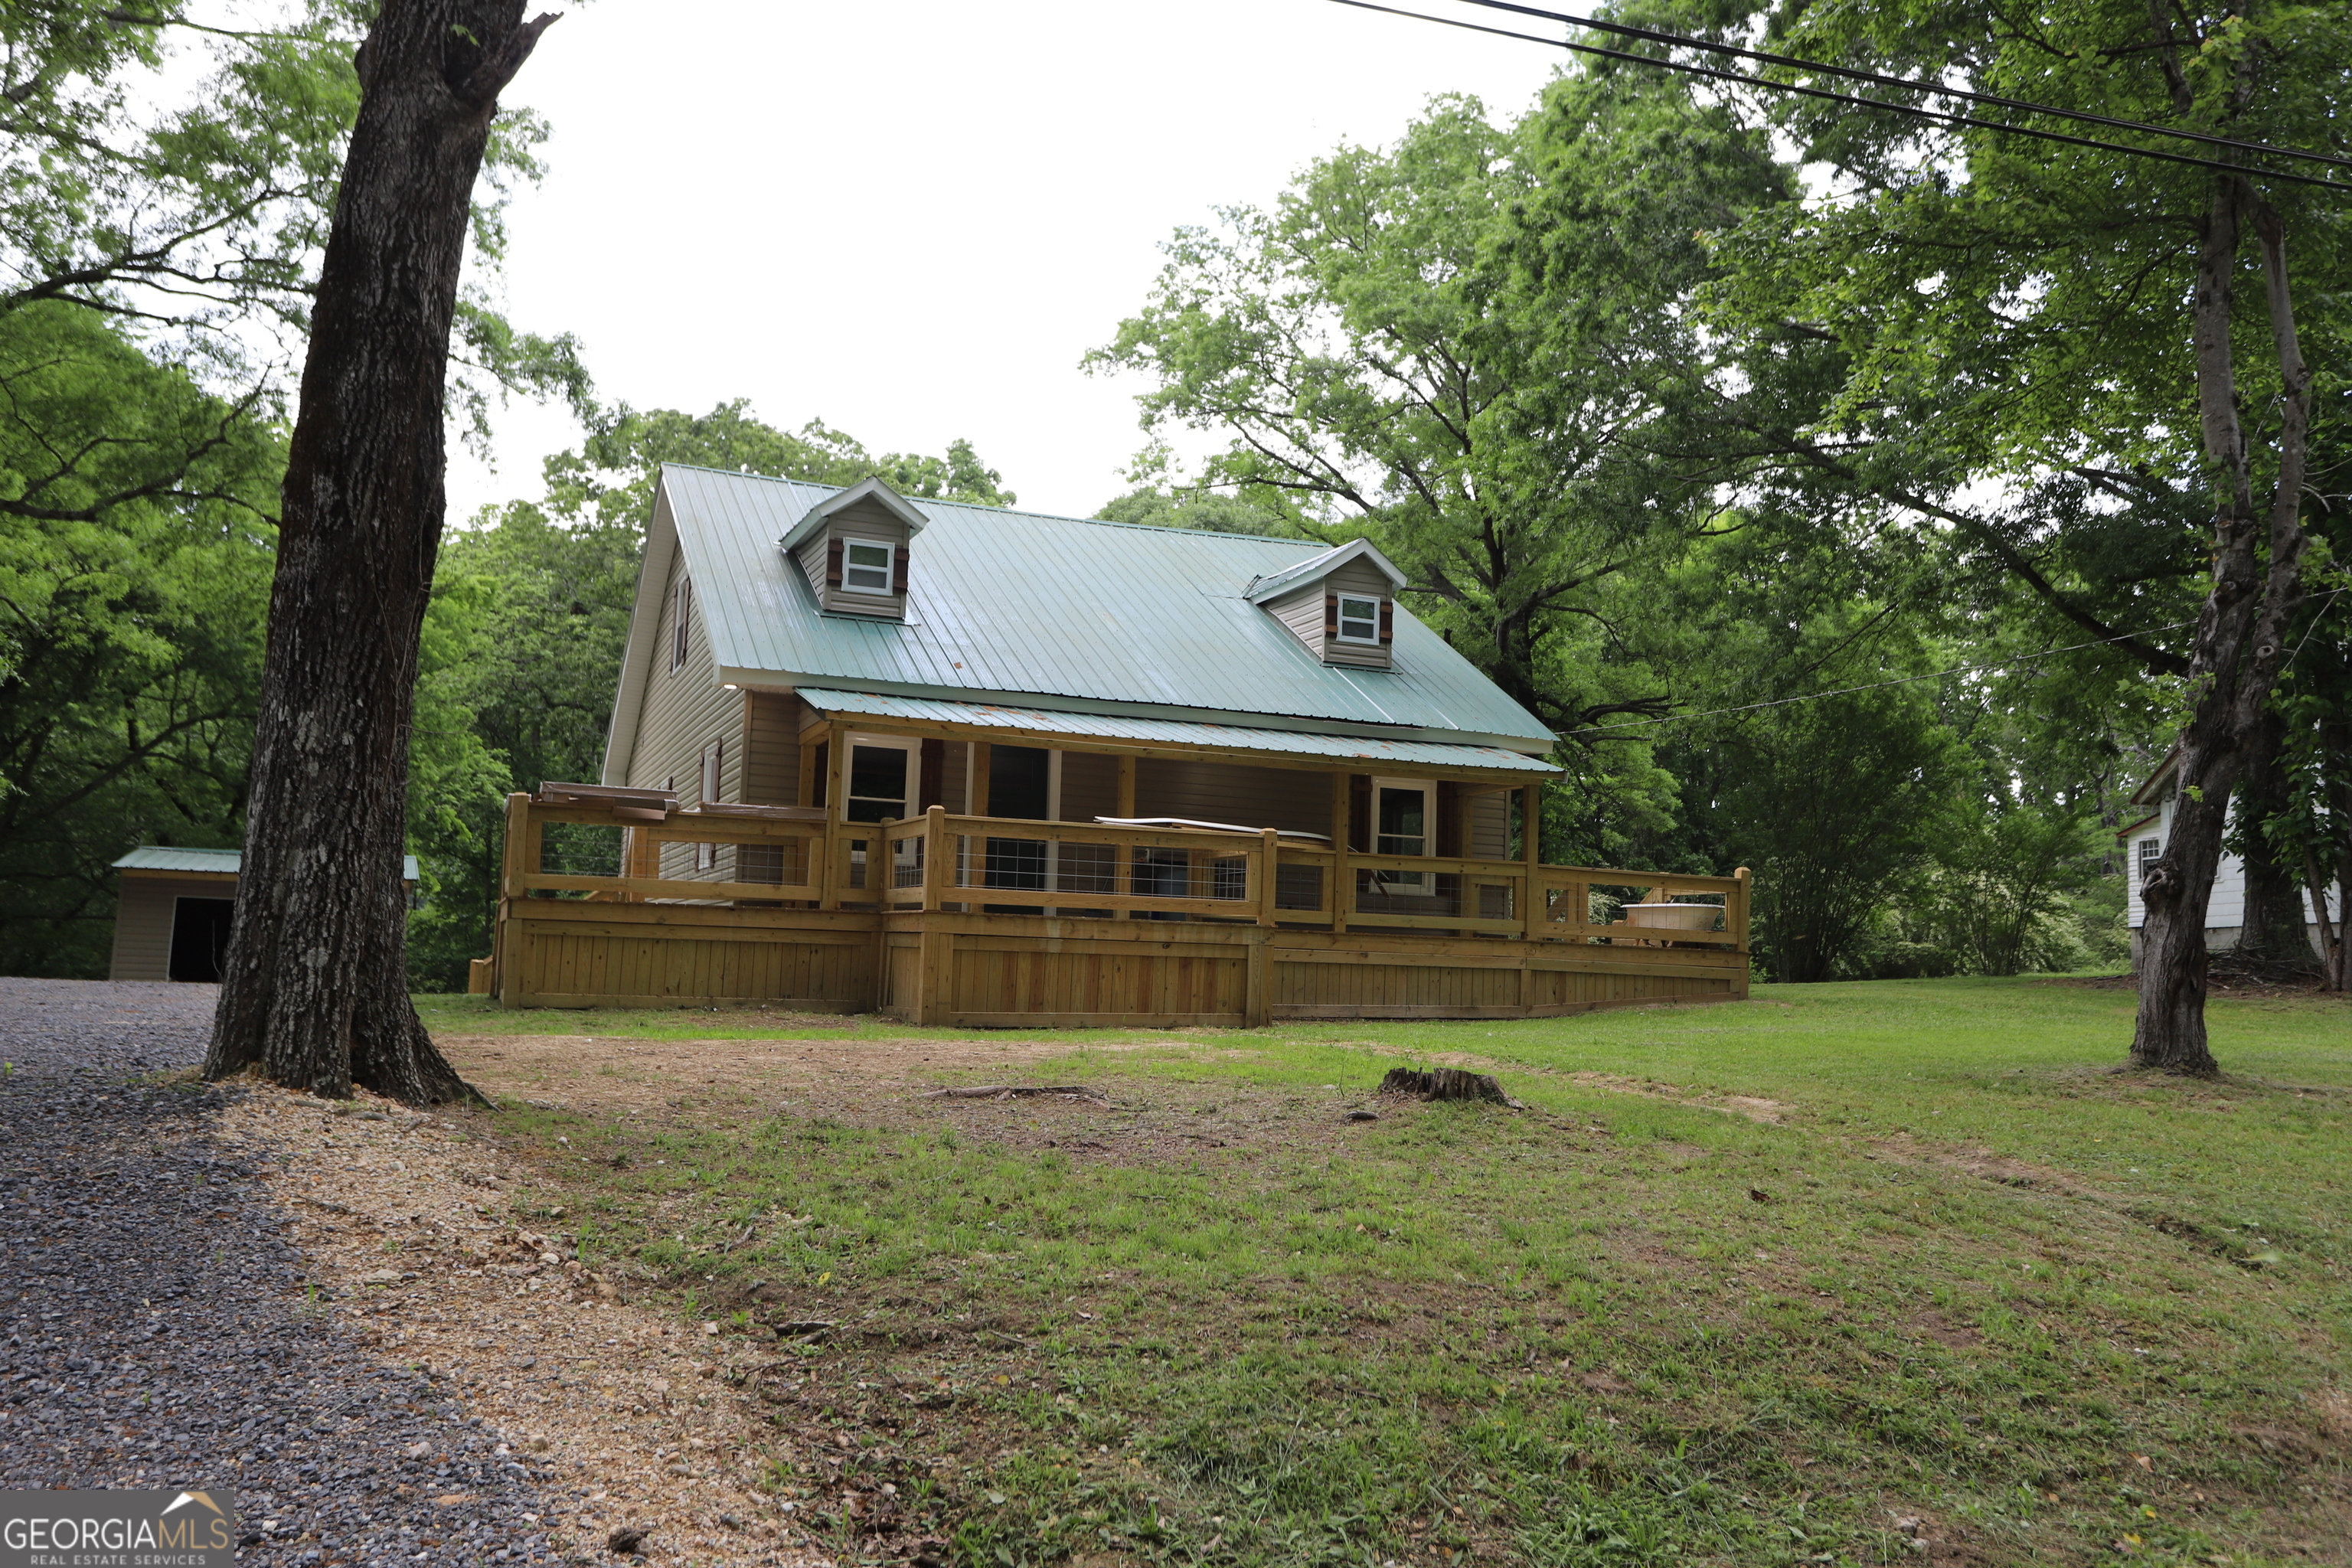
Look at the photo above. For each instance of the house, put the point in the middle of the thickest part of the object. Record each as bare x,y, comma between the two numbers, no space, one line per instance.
172,914
2225,913
975,765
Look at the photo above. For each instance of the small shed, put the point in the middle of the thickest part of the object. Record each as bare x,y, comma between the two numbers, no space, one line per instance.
172,920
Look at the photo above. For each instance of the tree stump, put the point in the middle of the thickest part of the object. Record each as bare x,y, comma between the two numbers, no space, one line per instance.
1447,1083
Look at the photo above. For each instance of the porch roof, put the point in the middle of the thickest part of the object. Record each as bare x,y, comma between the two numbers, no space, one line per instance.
1170,732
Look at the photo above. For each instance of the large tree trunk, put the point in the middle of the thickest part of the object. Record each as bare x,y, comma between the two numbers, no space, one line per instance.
2241,634
315,988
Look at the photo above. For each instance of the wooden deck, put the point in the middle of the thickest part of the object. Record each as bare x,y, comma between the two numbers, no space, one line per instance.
980,922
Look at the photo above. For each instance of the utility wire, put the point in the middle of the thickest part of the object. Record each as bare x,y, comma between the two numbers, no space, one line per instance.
1877,79
1944,116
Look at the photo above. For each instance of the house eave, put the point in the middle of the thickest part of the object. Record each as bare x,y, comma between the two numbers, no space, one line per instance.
786,681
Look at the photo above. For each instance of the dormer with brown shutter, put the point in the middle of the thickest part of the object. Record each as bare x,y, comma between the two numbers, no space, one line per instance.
856,549
1342,603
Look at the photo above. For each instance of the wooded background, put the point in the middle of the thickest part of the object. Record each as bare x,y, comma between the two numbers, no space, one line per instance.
1688,409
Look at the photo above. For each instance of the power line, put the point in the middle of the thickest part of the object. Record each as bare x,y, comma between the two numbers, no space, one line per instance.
1877,79
1946,117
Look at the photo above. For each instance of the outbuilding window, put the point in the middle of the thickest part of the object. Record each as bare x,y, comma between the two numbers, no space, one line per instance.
2149,848
865,566
1359,618
681,618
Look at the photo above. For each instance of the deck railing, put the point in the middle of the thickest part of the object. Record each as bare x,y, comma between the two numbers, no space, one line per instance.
1015,866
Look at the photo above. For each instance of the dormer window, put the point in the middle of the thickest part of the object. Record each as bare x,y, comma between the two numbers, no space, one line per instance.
865,566
1341,605
856,546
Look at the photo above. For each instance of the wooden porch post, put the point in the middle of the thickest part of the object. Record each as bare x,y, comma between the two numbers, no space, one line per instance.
511,871
935,855
1736,924
1531,853
1122,876
1343,881
836,772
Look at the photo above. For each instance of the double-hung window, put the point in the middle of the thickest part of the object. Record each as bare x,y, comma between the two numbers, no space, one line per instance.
865,566
1359,618
1404,811
2149,848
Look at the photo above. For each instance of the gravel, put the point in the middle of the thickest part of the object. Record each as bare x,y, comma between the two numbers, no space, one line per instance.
156,1331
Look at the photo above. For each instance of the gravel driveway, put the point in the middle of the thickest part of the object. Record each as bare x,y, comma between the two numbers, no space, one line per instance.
158,1331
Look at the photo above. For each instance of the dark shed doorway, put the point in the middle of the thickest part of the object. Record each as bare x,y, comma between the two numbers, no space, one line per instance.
200,937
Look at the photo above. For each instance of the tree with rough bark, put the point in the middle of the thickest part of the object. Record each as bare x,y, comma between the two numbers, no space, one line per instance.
2104,346
314,991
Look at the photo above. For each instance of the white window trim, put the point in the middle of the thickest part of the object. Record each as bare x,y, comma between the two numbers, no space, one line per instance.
907,743
1370,599
2145,854
890,566
681,600
708,780
1408,881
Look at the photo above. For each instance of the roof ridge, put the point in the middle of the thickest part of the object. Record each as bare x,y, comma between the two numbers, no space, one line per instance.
1010,510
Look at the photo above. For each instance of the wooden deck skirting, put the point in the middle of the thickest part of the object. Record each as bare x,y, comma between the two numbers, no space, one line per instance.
951,943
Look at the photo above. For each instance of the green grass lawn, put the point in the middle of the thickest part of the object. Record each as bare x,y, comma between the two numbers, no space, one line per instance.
1892,1272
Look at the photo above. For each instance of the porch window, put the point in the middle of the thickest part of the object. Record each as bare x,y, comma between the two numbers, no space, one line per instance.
865,566
1359,621
1402,810
878,775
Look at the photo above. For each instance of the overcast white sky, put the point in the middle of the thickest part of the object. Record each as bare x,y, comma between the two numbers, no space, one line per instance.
911,219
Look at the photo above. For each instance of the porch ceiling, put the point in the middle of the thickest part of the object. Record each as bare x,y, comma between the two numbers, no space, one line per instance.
1279,747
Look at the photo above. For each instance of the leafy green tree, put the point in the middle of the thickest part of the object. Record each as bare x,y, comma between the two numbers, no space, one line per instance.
135,553
1835,804
1169,506
2006,879
522,652
2087,367
611,474
1467,346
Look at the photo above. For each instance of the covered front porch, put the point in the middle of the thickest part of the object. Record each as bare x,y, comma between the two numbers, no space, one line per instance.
1017,873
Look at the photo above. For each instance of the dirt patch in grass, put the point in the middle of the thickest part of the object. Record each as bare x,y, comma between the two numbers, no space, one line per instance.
1770,1112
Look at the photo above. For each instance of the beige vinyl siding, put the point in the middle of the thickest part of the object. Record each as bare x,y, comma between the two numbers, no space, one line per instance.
1356,577
1292,798
143,920
1302,611
771,749
1089,786
867,520
684,710
1488,835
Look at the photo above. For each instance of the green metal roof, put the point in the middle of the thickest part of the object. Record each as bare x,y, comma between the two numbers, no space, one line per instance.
1230,737
1150,621
167,858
